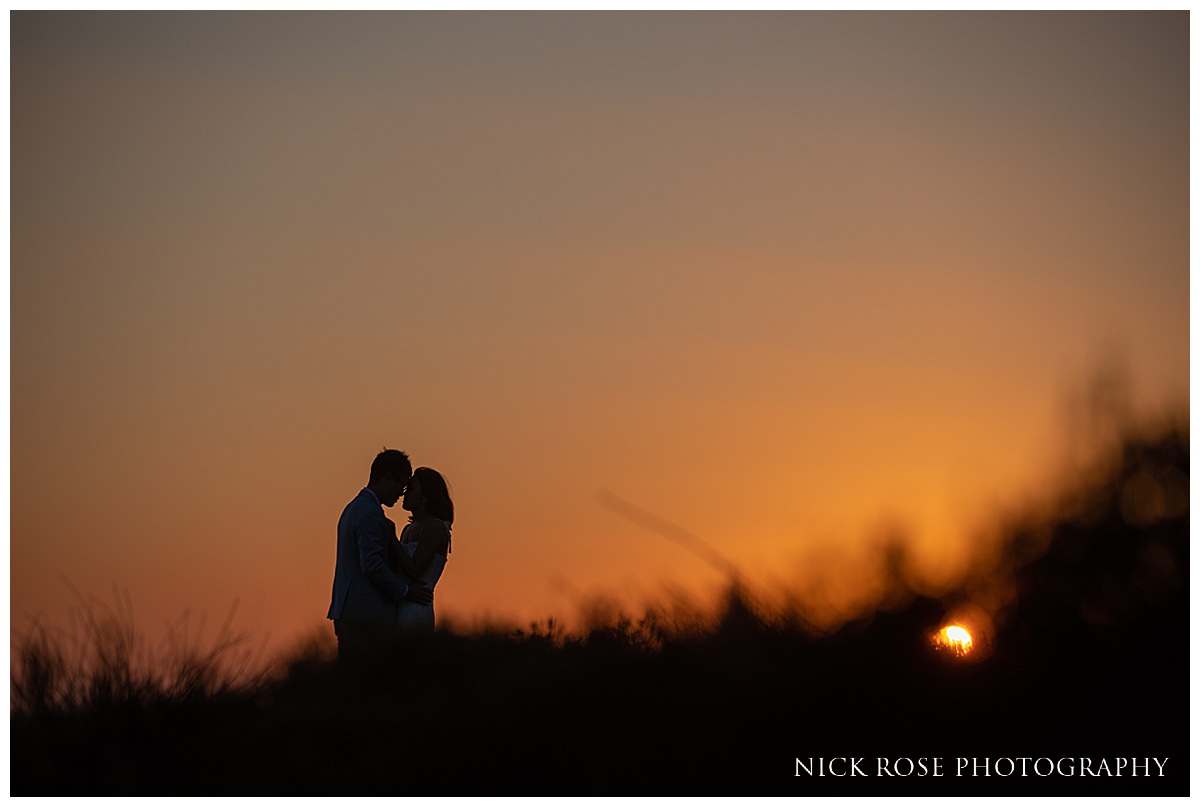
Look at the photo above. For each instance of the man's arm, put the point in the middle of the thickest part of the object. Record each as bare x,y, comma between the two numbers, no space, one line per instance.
373,555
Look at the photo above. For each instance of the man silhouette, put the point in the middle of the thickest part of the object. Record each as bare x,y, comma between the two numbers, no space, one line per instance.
365,588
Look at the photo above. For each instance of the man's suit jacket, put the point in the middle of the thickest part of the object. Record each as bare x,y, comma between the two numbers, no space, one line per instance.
365,589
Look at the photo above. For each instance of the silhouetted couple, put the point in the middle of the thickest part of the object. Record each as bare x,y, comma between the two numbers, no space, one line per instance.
383,584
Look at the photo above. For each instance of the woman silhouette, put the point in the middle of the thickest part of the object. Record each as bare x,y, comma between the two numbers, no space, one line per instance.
424,544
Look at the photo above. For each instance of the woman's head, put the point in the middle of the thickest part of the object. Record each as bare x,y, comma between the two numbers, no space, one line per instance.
428,495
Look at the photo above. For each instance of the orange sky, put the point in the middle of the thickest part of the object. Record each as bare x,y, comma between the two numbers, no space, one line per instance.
781,279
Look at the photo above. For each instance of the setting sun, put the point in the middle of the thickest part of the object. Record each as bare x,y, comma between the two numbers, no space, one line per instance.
955,638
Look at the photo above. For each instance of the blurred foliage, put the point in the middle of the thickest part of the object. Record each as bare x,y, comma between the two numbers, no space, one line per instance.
1086,606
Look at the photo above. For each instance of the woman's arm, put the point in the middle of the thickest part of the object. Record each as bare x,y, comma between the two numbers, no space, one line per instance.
395,551
431,537
403,562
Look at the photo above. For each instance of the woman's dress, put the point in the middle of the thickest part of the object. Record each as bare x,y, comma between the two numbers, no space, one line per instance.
411,617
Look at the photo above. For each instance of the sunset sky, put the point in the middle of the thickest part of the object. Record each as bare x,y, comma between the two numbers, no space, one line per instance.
786,281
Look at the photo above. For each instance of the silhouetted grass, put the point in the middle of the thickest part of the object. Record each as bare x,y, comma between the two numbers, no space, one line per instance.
1088,658
101,660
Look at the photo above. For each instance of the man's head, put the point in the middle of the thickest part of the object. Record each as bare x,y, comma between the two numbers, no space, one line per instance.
390,473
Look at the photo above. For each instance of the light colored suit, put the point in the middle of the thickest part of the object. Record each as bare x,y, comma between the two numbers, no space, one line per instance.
365,589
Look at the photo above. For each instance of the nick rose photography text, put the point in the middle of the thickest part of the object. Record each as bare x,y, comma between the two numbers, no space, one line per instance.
982,766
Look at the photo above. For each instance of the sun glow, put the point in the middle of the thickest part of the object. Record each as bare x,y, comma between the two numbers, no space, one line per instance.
956,639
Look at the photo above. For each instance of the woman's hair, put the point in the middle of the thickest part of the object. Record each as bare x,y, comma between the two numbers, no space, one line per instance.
436,493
